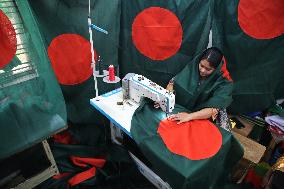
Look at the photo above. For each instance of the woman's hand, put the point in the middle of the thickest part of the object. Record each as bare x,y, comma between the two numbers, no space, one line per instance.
170,86
180,117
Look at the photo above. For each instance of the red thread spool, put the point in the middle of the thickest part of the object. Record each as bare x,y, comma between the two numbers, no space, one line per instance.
111,75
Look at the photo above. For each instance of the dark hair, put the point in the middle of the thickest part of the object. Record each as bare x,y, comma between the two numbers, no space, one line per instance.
213,55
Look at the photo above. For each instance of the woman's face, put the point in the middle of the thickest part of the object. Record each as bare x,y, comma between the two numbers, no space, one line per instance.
205,69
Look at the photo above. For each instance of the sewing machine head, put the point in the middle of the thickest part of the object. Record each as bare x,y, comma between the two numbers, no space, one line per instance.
136,86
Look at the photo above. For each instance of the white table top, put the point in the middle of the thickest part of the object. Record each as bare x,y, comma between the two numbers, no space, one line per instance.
119,115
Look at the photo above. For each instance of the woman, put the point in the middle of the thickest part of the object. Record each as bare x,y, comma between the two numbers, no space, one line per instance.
191,155
206,88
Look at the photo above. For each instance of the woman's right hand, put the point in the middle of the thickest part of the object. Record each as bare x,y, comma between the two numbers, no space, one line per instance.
170,87
181,117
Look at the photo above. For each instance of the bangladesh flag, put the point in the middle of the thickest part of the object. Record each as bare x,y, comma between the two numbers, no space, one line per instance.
158,38
196,154
250,33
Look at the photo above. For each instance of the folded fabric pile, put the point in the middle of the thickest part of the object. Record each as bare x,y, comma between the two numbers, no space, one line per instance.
276,126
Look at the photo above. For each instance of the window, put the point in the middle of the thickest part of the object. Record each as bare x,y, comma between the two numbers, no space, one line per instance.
26,68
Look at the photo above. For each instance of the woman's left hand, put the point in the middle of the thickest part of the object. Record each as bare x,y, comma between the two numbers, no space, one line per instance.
180,117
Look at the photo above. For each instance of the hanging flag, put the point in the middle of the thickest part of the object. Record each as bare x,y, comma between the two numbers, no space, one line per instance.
64,25
251,35
158,38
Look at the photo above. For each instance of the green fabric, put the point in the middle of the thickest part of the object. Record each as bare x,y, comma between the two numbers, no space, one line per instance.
118,172
195,18
215,91
262,168
255,65
277,109
32,108
179,171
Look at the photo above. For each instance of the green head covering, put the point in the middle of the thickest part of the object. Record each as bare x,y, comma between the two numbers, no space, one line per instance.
215,91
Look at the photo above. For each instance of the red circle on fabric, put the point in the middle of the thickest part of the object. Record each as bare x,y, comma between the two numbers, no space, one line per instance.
70,57
196,140
8,40
261,20
157,33
225,71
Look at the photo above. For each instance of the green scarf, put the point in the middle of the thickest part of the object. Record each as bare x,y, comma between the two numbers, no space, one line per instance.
215,91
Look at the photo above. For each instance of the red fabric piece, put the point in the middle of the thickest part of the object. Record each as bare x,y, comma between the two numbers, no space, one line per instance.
195,140
89,173
275,130
226,73
83,162
261,19
81,177
282,144
8,40
157,33
64,138
254,179
70,57
61,175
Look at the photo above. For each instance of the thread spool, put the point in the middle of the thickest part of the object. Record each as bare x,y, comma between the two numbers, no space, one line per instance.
111,74
99,71
111,78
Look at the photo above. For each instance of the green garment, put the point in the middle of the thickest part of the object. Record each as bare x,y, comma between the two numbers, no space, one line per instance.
215,91
177,170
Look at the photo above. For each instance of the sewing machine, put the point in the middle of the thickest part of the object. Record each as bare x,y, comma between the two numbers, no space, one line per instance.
135,87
